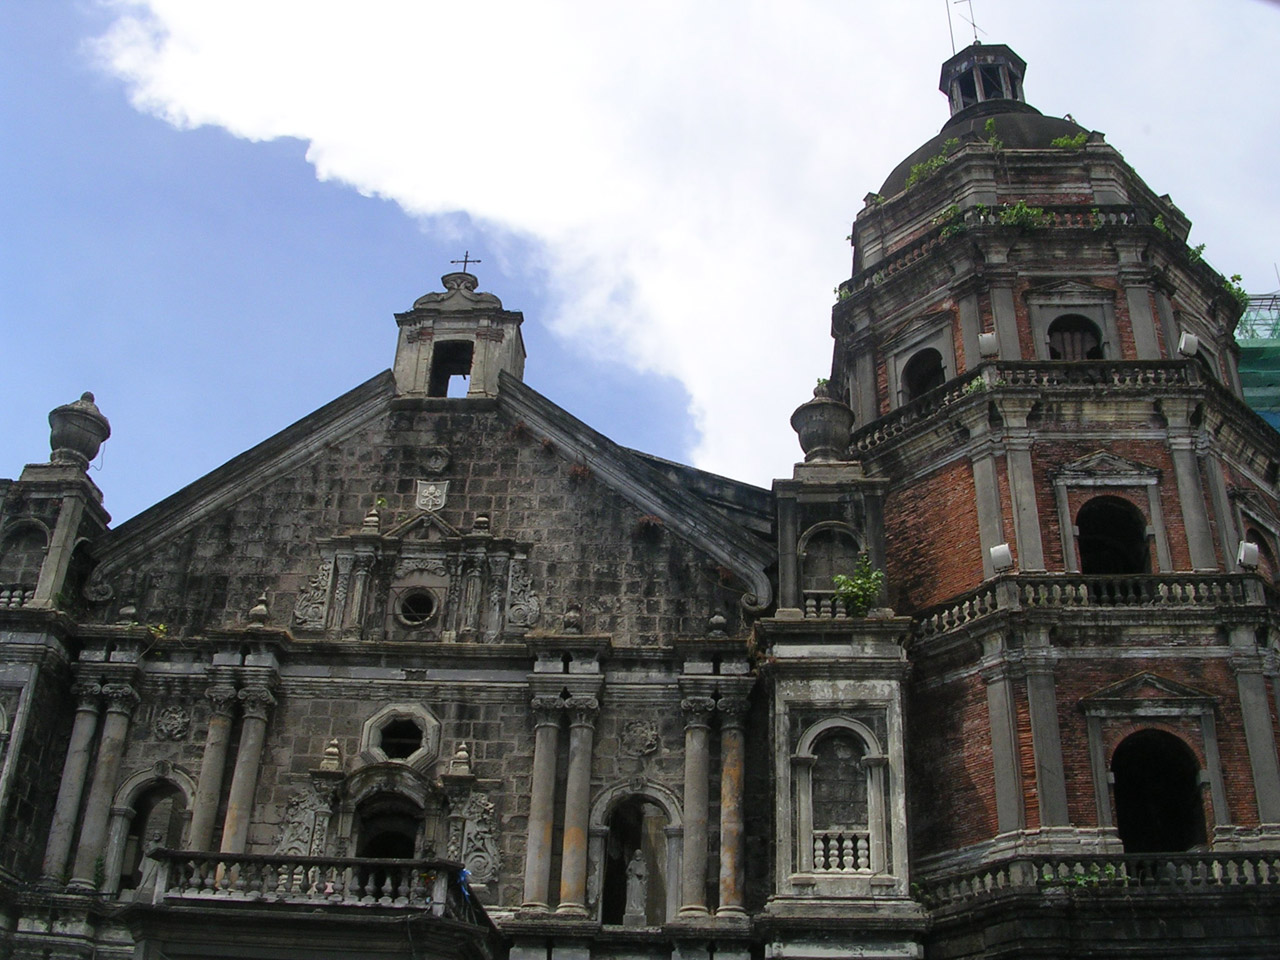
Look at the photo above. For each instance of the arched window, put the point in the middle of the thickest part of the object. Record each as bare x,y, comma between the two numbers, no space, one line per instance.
159,820
635,868
1157,794
841,799
922,373
389,827
841,840
1073,337
826,552
21,555
1112,538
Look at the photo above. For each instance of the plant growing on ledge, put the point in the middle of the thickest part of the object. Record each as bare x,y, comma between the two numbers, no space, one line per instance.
859,590
951,221
1070,143
579,473
1235,287
994,142
649,527
1022,216
927,168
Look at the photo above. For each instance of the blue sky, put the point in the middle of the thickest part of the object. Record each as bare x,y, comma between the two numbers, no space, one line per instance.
210,221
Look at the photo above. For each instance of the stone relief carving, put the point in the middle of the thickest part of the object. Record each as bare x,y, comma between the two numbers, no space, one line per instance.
172,723
432,565
473,838
305,828
523,608
639,738
309,610
431,495
435,459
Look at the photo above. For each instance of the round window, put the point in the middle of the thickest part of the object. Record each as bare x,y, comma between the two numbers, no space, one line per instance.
416,607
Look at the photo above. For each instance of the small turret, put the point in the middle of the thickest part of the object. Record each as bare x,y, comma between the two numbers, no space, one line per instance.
980,73
457,333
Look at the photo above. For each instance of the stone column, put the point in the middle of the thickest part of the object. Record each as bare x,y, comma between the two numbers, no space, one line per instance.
697,761
1046,740
733,712
577,806
542,799
121,699
1259,735
258,702
74,768
212,765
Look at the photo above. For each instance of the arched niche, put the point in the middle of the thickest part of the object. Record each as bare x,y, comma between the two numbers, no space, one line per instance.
22,553
1159,807
824,550
923,372
151,808
840,773
615,816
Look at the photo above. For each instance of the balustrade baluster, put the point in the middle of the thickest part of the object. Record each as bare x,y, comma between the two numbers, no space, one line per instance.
864,853
819,852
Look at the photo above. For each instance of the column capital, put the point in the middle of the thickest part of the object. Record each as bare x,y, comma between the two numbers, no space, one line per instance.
546,710
697,711
582,711
223,697
733,710
257,701
120,697
86,693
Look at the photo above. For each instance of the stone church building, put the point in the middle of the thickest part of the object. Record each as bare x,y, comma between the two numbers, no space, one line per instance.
439,676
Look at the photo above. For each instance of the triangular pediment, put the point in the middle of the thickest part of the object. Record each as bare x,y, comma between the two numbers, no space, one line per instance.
1069,291
1101,464
1147,689
425,527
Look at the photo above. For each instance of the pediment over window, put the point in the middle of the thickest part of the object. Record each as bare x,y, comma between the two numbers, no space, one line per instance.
1102,468
1065,292
1148,694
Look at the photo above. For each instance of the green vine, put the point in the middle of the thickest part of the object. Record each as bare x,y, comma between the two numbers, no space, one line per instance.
861,589
1236,288
994,142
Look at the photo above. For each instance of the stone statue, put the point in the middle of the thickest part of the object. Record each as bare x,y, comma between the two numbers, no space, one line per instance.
150,865
637,885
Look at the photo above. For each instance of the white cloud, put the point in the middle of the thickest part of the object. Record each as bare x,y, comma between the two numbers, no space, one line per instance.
690,168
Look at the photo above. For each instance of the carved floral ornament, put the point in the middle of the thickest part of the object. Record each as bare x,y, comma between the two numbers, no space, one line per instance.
639,738
172,723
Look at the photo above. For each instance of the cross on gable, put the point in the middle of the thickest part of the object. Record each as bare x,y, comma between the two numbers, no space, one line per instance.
466,259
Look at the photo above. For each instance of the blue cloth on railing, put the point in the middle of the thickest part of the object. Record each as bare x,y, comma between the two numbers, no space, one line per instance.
464,875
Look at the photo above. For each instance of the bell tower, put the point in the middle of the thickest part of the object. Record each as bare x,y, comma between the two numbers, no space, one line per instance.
456,342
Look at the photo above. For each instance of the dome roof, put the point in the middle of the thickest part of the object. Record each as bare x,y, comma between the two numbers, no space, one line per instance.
1019,125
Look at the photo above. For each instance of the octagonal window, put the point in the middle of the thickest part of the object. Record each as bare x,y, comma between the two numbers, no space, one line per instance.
401,739
416,607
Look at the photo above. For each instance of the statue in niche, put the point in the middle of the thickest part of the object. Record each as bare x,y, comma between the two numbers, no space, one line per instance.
637,888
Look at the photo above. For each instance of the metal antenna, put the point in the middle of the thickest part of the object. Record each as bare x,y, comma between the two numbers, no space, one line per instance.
971,20
950,29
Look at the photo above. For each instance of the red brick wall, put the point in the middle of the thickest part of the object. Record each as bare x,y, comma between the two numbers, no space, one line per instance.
931,536
953,800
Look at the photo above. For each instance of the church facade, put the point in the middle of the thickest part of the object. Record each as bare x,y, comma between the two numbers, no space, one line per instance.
992,673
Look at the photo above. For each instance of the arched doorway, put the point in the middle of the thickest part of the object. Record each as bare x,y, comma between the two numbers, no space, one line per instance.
922,373
635,865
1112,538
1157,794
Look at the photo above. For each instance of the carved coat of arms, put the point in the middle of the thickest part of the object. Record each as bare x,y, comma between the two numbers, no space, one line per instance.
431,494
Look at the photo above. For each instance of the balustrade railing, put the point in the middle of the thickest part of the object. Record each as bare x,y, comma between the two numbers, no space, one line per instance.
430,885
1073,590
1091,375
841,851
14,595
1129,872
824,604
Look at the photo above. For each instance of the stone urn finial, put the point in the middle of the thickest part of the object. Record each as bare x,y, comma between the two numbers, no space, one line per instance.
823,425
259,612
77,431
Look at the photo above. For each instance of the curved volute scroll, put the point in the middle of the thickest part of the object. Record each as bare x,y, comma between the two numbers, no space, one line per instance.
823,425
